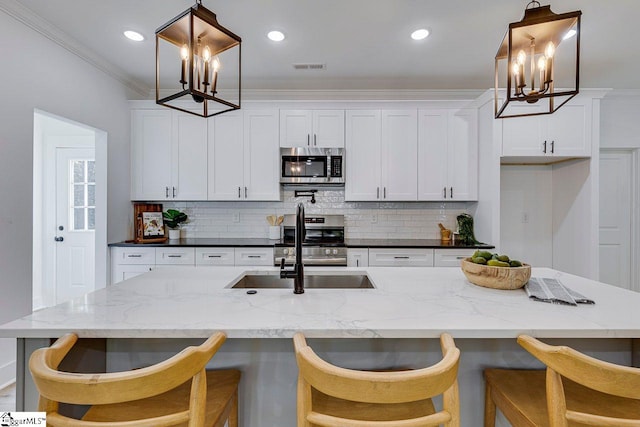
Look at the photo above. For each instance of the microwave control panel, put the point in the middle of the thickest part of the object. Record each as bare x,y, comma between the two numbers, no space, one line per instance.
336,166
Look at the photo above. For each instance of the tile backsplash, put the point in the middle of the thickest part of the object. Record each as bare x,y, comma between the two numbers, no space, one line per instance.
373,220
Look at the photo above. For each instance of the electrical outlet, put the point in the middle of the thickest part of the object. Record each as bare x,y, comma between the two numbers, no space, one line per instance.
525,217
374,218
236,217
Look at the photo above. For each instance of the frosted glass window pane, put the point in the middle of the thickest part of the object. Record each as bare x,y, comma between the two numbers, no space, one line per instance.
91,219
91,193
91,171
78,219
78,171
78,195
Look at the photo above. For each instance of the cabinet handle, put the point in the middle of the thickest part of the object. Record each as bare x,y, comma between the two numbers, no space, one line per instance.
401,257
315,142
254,256
239,193
308,142
245,192
166,192
377,192
451,192
384,192
174,256
357,262
552,144
444,192
214,256
134,256
544,147
174,192
460,257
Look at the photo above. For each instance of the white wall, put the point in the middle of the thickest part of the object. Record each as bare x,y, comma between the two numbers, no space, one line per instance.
37,73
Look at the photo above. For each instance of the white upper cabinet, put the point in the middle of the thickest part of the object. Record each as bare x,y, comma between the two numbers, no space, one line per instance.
565,133
312,128
447,155
243,156
381,148
168,157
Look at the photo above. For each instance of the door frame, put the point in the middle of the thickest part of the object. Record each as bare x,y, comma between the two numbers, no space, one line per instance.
44,224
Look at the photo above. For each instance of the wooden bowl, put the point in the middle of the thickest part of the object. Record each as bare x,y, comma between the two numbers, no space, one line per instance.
496,277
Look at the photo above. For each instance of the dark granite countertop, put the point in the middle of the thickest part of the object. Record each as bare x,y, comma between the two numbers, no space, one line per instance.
351,243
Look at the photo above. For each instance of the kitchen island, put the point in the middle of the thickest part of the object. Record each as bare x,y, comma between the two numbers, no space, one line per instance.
396,324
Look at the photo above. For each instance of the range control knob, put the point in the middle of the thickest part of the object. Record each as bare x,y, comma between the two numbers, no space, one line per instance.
285,251
335,252
327,251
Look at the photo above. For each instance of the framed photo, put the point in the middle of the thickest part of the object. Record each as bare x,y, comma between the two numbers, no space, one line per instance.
152,225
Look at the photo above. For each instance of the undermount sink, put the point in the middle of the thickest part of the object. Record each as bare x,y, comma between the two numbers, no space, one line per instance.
311,281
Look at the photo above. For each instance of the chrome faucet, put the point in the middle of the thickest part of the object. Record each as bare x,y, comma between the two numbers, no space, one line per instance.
298,270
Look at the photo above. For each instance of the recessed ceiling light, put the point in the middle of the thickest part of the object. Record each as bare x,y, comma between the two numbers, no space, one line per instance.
133,35
420,34
569,34
276,36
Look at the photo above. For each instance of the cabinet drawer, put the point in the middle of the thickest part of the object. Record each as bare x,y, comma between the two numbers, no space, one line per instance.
122,272
175,256
133,255
357,257
254,256
215,256
450,257
401,257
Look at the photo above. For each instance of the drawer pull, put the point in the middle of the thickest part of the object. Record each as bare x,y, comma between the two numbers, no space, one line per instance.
214,256
174,256
254,256
134,256
460,257
401,257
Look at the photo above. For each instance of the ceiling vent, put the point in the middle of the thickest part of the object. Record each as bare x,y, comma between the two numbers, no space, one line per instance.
310,66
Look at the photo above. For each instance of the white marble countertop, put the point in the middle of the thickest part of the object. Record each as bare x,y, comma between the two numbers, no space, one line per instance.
181,302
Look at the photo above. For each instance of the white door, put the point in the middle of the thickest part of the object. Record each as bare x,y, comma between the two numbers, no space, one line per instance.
432,154
226,157
189,154
261,155
568,131
328,128
615,218
462,155
363,145
295,128
399,155
75,223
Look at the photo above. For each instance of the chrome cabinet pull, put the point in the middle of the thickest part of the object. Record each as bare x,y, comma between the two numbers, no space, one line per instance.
254,256
174,192
315,142
552,146
357,262
308,141
401,257
166,192
384,192
239,193
444,192
245,192
214,256
451,193
377,192
134,256
544,147
174,256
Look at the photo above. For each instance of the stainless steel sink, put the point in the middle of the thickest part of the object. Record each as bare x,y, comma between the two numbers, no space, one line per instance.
311,281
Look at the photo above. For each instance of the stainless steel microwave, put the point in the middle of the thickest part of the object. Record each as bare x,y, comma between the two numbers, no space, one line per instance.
312,165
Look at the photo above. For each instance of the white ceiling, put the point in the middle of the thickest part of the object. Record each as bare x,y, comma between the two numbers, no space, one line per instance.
365,44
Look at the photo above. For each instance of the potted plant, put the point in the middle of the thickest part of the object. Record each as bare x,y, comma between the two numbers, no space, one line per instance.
173,218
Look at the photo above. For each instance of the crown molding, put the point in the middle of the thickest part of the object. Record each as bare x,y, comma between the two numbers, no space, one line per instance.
34,21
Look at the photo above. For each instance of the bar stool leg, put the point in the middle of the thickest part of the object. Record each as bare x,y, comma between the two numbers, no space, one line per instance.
489,408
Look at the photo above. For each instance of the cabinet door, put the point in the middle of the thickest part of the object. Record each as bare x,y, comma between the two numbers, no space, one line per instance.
432,154
462,155
295,128
121,272
399,155
150,154
328,128
357,257
363,144
261,155
523,136
568,131
226,157
189,169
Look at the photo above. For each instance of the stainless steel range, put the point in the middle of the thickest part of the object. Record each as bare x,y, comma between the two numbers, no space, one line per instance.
323,241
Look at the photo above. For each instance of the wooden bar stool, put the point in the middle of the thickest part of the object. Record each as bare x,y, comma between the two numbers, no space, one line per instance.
331,396
575,390
175,392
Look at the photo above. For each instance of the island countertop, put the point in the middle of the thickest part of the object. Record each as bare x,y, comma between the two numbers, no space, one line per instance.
415,302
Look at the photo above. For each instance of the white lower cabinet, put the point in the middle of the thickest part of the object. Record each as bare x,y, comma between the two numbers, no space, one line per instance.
358,257
175,256
129,262
450,257
215,256
254,256
383,257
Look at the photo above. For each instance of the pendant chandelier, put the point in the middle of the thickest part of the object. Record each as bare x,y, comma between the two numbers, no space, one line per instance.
195,58
538,62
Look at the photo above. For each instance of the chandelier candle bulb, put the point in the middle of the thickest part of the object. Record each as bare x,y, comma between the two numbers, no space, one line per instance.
216,67
184,54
